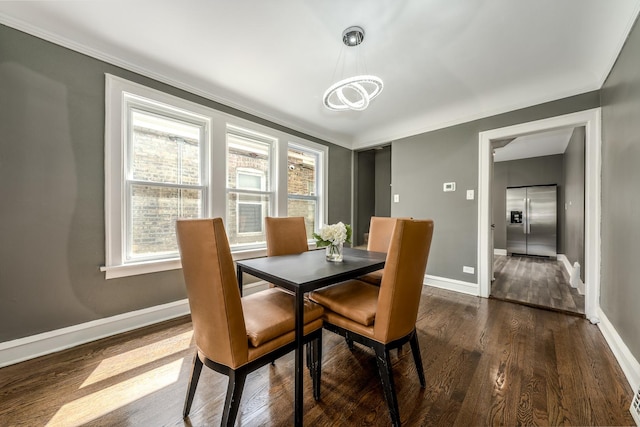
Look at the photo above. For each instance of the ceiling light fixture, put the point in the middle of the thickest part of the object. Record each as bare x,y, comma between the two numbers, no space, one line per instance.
352,93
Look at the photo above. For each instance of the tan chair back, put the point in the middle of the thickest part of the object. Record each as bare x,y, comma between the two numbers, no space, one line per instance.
286,235
380,232
214,297
401,285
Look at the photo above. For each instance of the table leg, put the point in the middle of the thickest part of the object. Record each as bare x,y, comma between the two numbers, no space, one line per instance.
239,277
299,370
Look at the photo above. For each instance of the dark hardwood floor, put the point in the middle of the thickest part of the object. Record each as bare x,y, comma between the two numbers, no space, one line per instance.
539,282
487,362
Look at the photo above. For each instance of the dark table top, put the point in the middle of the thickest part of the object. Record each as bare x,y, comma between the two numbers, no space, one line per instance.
310,270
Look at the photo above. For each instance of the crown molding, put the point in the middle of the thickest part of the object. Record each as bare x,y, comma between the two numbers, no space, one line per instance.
81,48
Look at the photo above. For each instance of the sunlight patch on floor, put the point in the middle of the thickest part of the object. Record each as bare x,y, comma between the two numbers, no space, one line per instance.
95,405
123,362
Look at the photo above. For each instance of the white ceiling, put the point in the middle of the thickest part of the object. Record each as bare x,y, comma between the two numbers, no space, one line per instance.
443,62
534,145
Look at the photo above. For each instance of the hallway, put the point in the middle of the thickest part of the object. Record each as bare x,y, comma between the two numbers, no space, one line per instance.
538,282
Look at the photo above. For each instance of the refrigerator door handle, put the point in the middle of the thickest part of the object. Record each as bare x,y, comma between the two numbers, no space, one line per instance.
528,207
525,218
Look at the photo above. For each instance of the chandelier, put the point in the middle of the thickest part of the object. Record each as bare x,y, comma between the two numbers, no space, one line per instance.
352,93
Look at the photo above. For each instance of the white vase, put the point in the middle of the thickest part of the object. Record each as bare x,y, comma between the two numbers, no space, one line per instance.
334,252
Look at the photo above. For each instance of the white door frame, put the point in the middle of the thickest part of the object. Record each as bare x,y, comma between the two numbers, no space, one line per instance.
590,119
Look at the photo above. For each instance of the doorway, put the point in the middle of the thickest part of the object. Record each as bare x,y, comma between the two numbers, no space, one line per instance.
372,171
538,212
590,119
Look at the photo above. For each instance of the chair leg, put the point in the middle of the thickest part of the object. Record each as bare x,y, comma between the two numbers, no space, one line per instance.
193,383
386,377
234,393
317,367
309,353
417,358
349,342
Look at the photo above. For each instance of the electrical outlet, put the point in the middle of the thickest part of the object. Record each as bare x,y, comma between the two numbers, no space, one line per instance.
470,195
396,198
467,269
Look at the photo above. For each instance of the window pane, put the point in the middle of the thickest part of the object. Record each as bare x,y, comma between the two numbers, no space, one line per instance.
245,218
249,218
247,154
164,150
302,172
249,181
154,211
305,209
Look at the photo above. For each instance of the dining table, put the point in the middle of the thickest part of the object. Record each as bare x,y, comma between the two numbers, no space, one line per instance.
302,273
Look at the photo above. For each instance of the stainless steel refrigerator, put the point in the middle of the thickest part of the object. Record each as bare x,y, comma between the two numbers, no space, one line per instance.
532,220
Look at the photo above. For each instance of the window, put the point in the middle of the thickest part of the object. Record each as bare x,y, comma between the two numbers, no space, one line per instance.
248,186
249,212
163,179
303,186
167,158
155,172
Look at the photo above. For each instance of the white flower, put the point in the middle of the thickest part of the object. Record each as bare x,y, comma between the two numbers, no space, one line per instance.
334,233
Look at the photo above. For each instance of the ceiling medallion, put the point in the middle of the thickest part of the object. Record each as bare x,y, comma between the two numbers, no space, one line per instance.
352,93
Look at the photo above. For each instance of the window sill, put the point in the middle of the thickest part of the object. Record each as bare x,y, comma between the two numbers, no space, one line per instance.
134,269
239,255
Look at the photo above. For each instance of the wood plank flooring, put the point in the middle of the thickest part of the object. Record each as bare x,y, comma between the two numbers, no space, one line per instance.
539,282
487,362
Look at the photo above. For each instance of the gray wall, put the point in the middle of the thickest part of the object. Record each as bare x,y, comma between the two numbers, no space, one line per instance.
544,170
383,181
620,292
573,208
339,189
52,191
422,163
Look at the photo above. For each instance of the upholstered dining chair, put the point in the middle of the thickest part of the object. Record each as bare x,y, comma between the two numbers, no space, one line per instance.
236,335
380,232
286,235
384,317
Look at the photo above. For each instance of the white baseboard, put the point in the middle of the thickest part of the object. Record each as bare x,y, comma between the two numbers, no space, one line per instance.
628,363
452,284
500,252
254,287
566,263
579,284
33,346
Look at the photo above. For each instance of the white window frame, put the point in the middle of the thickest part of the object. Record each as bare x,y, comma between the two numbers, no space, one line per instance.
252,172
137,104
321,152
270,188
214,170
121,99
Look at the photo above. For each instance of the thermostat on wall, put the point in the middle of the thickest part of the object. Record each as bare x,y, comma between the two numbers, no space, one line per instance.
449,186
